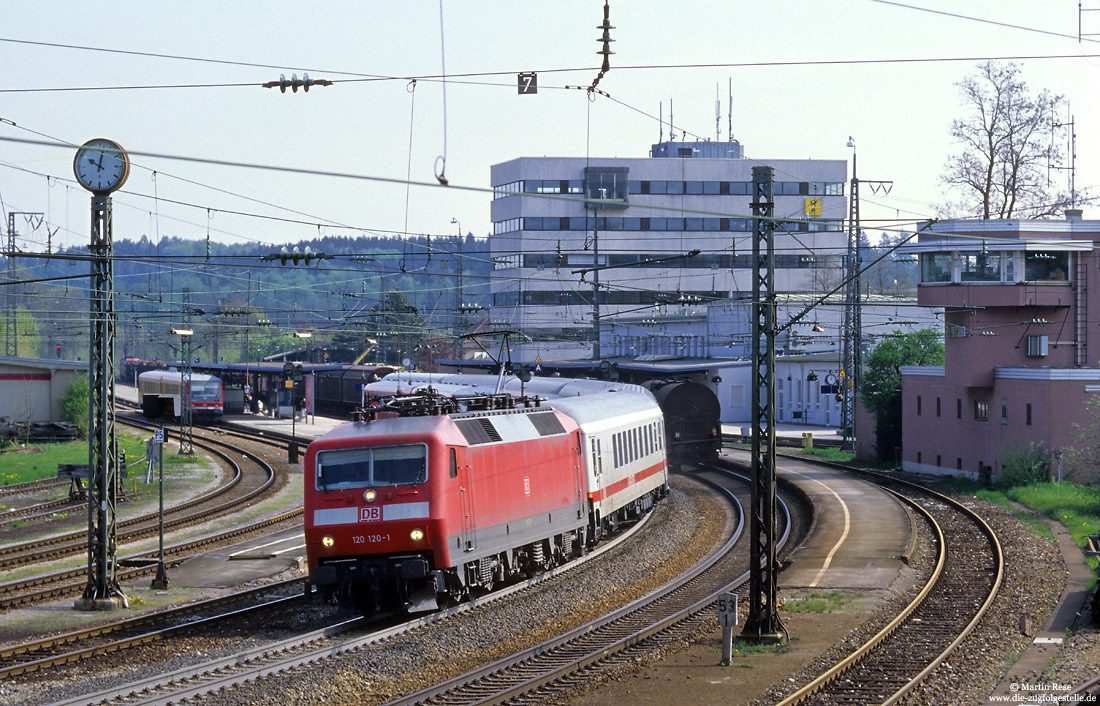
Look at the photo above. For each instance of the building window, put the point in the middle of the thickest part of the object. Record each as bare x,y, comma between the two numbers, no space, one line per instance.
958,408
1046,266
1037,346
918,405
980,267
918,457
981,410
606,183
958,464
1028,422
935,267
939,462
1004,410
937,406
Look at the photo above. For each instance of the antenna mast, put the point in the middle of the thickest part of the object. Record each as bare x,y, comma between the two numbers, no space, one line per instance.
717,115
730,130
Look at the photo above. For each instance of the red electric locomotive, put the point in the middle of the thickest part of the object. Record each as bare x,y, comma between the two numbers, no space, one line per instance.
406,512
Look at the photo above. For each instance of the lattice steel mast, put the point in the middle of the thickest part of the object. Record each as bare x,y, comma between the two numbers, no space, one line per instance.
103,590
851,364
763,623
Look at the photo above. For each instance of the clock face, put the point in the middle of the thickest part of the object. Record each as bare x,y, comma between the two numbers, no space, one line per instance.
101,166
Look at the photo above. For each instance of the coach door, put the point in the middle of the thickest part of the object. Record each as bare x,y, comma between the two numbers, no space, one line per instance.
581,476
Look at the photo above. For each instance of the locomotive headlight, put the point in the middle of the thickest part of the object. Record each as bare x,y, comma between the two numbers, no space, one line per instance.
327,540
369,495
417,535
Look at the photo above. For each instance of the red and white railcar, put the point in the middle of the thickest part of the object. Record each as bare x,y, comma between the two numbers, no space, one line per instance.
407,511
161,395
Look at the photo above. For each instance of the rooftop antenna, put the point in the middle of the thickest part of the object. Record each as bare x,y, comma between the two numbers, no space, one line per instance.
661,121
730,130
717,115
671,123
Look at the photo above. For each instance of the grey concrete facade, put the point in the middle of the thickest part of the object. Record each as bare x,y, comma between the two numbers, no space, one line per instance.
651,208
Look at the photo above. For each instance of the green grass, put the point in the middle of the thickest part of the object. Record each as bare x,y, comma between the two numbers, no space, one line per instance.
831,454
40,461
1075,506
817,602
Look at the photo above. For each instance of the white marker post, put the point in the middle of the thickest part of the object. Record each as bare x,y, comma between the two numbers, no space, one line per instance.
727,618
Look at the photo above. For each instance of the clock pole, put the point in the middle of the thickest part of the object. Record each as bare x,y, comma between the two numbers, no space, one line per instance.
102,591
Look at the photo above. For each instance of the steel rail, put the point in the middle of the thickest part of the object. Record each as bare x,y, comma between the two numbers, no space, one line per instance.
16,555
823,681
18,588
226,672
31,486
37,511
178,551
11,653
594,643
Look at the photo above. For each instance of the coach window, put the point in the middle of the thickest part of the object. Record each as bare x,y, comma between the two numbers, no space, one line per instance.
454,464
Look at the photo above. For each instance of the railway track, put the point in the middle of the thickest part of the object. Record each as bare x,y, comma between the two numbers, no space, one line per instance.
77,645
565,661
42,510
968,572
248,486
54,585
337,638
31,486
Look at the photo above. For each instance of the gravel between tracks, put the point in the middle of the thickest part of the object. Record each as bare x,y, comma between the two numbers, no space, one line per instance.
684,528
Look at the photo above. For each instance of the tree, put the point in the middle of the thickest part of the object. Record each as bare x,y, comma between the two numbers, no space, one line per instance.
74,404
880,388
1007,139
1082,460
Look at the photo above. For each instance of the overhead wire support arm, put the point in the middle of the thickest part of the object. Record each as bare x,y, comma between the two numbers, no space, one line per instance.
583,271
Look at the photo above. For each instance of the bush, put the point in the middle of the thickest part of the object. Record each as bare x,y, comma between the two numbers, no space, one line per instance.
1025,464
74,404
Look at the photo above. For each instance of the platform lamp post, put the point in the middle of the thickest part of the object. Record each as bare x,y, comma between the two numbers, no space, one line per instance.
308,336
160,581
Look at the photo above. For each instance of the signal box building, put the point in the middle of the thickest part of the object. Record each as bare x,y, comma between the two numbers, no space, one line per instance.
653,212
1021,302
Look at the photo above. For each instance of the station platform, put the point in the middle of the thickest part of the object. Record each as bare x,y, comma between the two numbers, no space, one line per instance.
786,430
243,563
861,535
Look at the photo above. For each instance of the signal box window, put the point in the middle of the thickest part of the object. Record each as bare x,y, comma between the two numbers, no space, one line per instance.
1046,266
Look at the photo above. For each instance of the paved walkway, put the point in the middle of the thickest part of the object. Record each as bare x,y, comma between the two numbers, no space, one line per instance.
1028,669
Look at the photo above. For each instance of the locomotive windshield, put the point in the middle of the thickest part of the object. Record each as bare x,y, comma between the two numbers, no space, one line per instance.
376,466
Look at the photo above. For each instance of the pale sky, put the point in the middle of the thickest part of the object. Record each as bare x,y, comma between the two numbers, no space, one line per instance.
899,113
